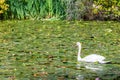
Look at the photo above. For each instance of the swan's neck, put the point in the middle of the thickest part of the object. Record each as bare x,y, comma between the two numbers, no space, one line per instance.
79,51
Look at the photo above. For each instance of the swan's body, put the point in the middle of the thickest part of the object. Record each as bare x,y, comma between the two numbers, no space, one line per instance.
90,58
93,58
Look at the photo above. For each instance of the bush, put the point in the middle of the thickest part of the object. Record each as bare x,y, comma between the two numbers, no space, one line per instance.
78,9
3,8
106,9
93,9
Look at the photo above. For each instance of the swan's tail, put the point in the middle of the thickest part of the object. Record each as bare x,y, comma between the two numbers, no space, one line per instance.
104,62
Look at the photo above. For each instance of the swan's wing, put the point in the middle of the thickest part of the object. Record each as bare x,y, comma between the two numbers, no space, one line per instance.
101,57
97,56
93,58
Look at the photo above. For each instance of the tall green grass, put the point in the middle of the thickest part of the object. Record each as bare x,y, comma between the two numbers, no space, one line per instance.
35,9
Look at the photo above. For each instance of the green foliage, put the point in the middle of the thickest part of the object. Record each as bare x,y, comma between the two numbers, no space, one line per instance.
107,8
3,6
35,9
62,9
3,9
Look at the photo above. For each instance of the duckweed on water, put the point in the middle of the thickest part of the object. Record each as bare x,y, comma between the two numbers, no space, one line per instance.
38,50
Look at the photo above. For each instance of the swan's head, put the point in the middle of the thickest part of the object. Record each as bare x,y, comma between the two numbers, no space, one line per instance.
78,44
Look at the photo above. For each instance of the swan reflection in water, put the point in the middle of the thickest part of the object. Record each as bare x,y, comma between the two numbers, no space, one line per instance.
90,66
81,77
97,68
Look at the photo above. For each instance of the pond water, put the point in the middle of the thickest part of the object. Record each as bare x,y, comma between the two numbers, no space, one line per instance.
38,50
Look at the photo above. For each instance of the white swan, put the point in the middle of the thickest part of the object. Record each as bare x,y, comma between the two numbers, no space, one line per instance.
90,58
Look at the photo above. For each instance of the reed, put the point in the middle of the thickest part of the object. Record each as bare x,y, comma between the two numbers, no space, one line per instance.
35,9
